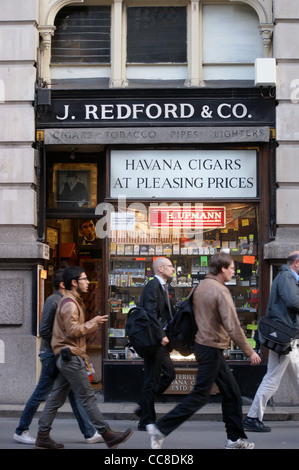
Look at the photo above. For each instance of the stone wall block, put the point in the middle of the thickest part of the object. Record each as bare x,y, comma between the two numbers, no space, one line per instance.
12,120
18,42
17,206
287,206
12,311
17,165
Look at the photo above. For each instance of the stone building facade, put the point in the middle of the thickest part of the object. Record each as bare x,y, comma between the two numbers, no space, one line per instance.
26,32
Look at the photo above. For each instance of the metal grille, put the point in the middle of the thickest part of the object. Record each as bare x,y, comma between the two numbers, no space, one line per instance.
156,34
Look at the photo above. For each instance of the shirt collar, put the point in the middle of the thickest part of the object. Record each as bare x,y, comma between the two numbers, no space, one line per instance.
162,282
296,276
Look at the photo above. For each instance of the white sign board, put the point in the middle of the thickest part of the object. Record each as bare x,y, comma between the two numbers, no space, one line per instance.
183,174
122,221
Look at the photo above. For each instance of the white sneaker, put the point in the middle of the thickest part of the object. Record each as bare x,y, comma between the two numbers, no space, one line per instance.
156,437
24,438
95,438
239,444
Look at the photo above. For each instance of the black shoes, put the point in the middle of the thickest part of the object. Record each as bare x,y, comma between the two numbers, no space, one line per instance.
141,427
255,425
138,411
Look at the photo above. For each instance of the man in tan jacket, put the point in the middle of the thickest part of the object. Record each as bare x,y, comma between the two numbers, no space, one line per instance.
69,346
217,322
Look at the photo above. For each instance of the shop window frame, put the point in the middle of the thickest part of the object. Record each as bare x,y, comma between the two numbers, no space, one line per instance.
262,201
124,289
66,158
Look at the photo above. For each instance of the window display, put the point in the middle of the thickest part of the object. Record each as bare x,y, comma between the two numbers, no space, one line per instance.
189,235
74,242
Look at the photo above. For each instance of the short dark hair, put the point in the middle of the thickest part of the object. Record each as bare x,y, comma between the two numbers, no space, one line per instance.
70,273
57,278
218,261
83,221
292,257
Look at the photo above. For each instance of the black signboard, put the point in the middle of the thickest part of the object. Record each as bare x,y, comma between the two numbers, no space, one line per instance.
165,109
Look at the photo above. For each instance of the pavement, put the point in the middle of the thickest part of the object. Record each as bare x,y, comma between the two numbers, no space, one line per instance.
125,411
204,431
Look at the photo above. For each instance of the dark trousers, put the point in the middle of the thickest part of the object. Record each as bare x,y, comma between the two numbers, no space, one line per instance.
212,367
158,375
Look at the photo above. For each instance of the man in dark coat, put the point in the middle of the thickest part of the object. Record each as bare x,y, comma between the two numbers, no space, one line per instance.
283,305
158,367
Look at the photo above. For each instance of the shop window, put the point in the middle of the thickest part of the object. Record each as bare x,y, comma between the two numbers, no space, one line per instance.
152,35
143,232
74,242
82,35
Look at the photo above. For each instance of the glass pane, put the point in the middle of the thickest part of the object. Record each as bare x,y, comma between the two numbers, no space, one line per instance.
231,34
190,249
156,34
82,35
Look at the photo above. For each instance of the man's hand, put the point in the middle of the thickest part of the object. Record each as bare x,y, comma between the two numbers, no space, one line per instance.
164,341
255,359
101,319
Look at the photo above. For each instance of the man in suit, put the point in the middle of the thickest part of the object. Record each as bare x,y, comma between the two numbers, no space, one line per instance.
158,367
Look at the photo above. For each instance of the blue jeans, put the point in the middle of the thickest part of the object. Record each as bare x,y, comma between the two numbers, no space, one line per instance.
41,393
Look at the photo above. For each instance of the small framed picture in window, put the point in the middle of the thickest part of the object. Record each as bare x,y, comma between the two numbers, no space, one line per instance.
74,185
87,236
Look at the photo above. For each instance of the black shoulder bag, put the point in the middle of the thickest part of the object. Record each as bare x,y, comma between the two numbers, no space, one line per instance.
276,335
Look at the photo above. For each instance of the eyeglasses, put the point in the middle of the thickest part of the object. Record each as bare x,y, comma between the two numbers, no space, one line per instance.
83,279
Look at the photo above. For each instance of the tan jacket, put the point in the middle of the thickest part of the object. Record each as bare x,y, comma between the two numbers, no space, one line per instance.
70,329
216,316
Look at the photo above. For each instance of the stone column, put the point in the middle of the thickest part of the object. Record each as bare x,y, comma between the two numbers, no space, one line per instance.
287,116
267,32
195,70
19,250
286,18
118,65
46,33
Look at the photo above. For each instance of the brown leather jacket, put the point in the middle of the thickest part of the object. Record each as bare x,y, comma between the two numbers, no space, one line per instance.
70,329
216,316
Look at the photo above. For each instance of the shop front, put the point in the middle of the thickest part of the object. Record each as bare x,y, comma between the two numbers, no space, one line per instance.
130,175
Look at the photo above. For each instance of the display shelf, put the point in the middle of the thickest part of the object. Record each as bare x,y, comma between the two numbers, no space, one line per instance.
131,255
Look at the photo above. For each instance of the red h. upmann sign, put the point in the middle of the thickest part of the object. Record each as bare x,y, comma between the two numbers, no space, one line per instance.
201,217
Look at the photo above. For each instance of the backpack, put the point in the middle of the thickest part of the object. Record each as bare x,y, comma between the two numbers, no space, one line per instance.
276,335
141,332
182,327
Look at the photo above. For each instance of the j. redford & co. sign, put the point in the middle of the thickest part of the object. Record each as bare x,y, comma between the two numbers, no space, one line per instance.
158,110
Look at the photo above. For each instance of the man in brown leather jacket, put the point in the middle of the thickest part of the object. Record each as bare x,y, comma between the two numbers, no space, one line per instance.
69,345
217,322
